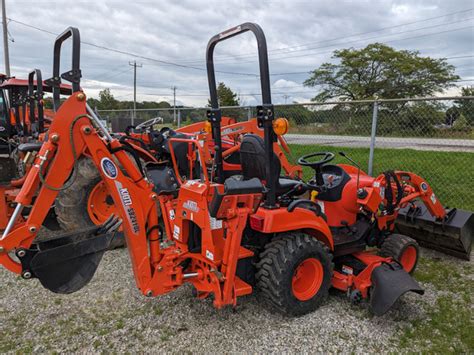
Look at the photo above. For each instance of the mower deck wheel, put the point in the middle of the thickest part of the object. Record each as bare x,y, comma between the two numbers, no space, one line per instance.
294,273
403,249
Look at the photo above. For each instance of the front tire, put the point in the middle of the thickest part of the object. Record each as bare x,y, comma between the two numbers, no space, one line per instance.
403,249
294,273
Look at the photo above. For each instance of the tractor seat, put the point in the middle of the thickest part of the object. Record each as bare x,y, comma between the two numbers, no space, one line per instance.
30,147
252,160
235,186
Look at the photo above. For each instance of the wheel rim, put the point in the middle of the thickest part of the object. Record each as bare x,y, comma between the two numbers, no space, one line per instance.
408,258
100,204
307,279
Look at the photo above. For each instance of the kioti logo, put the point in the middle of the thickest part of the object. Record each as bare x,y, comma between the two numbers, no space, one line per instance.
109,168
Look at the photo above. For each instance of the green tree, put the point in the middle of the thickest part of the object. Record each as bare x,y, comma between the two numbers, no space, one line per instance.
466,106
226,96
382,71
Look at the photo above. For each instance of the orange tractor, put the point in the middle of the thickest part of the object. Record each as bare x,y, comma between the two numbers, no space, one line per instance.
225,235
84,200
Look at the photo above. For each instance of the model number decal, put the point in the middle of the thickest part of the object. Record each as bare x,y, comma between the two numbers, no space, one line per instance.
125,196
127,203
191,205
132,216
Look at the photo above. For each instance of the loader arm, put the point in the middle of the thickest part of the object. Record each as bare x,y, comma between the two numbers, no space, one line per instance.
415,187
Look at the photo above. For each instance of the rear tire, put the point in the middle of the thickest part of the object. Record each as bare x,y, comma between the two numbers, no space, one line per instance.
294,273
403,249
71,204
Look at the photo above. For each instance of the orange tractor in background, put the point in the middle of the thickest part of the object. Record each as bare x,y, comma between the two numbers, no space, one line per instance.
227,233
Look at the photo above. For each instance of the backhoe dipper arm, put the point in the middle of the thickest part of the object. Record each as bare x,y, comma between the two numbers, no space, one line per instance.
71,135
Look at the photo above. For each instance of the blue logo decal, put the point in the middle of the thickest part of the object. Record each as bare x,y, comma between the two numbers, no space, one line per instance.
109,168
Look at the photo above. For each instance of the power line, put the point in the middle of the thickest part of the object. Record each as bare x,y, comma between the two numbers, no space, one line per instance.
163,62
107,77
273,59
290,49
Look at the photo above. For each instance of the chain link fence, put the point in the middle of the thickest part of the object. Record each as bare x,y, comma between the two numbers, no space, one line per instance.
433,137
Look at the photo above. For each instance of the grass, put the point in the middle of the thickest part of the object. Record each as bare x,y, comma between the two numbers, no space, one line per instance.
448,327
450,174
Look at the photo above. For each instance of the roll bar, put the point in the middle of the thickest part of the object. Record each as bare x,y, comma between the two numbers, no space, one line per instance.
35,98
265,112
74,74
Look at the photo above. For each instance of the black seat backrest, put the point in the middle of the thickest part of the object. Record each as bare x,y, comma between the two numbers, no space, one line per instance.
252,158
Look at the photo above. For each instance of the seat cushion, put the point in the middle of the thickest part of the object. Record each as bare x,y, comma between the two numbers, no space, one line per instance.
236,187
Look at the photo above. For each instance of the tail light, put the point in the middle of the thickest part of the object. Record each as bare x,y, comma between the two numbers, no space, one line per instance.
256,222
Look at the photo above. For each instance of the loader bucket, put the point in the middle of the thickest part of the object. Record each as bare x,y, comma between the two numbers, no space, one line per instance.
452,236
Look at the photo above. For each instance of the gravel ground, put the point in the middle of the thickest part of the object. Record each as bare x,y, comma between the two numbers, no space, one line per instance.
110,315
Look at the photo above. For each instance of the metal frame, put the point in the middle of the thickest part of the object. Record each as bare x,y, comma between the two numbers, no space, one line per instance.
265,112
35,98
74,74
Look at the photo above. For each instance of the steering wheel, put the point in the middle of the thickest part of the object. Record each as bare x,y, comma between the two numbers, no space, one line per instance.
326,157
149,123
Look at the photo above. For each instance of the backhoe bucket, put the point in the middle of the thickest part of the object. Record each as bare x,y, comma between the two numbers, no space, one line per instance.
66,263
390,282
452,236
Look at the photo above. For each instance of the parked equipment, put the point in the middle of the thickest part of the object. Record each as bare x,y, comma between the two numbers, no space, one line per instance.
225,232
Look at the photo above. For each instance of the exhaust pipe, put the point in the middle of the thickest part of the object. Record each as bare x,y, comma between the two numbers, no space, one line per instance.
451,236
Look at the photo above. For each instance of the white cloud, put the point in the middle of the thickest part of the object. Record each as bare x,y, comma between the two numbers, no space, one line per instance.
178,31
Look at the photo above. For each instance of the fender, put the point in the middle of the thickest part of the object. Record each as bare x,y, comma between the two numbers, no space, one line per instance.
279,221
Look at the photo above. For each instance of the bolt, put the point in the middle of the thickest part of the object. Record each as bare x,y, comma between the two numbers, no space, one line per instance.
26,275
154,197
87,130
149,293
32,229
54,137
20,253
81,96
160,268
2,249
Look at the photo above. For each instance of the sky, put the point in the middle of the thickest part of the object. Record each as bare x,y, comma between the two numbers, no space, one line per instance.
168,39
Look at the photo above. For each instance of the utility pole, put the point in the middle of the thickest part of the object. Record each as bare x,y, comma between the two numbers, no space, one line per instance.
174,103
134,65
286,97
5,39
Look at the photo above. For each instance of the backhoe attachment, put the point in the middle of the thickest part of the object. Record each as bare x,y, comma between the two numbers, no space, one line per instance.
67,262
